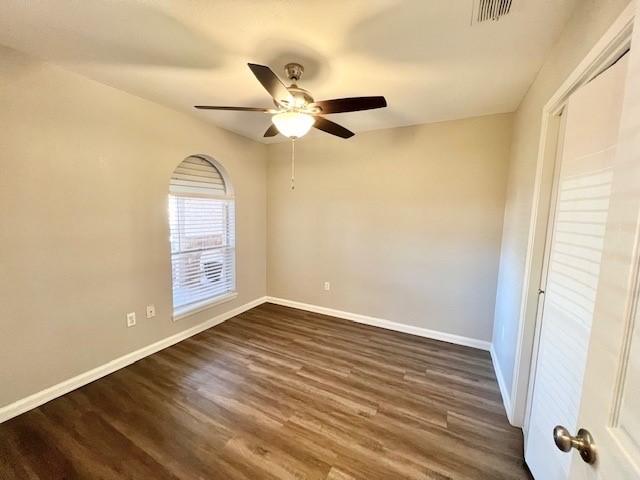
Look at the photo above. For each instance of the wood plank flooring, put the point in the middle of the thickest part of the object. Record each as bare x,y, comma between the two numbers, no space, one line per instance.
277,393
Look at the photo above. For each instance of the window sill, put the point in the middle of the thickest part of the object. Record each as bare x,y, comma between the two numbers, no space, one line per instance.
199,307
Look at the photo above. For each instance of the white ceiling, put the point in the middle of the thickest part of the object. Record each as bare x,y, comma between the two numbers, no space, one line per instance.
424,56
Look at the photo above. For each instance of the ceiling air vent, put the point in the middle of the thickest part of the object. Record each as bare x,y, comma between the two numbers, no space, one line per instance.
491,9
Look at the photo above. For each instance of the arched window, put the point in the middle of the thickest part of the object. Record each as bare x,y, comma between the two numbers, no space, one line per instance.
202,224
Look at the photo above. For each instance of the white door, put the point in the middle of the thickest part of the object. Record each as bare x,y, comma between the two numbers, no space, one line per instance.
610,406
586,355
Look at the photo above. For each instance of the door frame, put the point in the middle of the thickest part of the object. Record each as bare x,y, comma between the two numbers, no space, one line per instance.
615,41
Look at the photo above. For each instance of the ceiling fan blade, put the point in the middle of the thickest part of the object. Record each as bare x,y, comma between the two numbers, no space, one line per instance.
272,131
352,104
271,83
237,109
332,128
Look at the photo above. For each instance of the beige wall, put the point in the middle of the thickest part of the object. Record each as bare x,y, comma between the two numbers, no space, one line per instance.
84,172
587,25
405,223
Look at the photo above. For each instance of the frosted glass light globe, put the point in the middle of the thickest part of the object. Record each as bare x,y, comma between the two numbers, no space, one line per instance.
293,124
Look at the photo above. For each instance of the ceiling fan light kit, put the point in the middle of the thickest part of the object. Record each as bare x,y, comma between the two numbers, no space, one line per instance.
293,124
296,111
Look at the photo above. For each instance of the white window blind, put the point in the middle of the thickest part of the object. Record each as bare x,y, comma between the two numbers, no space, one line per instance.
202,224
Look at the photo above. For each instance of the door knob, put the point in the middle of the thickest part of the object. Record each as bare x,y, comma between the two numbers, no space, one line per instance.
583,442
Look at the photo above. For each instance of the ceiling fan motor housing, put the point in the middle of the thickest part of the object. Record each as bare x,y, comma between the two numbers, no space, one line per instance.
301,97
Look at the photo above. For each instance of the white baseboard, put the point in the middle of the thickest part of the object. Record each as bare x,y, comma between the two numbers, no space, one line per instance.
39,398
506,400
387,324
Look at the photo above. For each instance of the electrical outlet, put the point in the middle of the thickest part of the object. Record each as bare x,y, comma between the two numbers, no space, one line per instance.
131,319
151,311
327,286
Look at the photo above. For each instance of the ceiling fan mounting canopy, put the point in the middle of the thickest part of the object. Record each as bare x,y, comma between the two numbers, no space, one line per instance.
294,71
296,111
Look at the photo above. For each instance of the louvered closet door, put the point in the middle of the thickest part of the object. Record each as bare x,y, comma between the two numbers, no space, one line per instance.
575,260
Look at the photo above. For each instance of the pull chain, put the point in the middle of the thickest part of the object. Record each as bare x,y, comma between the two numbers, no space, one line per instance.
293,164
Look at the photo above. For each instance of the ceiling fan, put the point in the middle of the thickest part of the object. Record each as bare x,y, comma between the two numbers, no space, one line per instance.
296,111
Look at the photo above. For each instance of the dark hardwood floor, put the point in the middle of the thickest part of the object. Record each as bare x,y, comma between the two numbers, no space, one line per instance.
277,393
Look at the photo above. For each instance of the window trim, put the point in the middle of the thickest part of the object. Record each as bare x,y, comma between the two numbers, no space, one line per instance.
199,306
194,308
